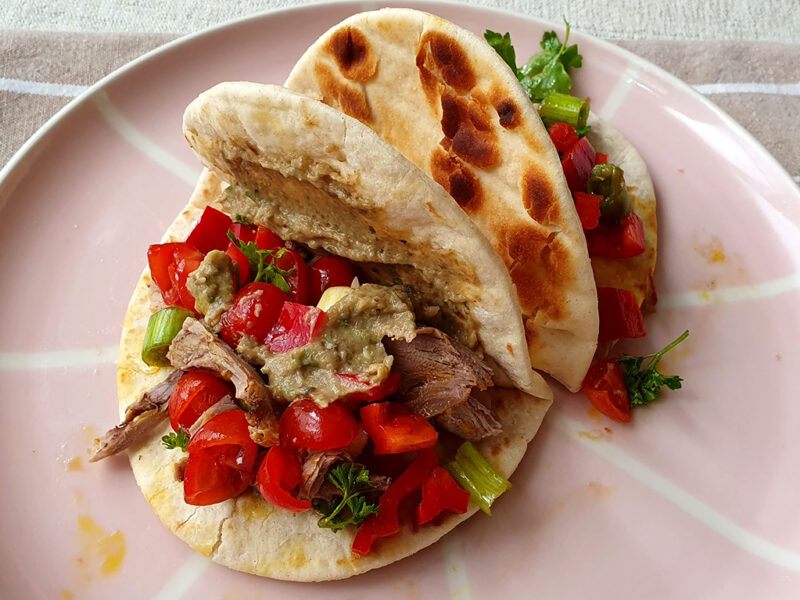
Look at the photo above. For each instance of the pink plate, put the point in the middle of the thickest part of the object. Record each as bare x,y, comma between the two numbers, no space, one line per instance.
697,498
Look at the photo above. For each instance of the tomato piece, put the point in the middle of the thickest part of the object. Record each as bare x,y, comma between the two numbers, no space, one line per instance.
440,493
298,280
604,385
254,312
297,325
623,240
170,266
240,262
600,158
193,394
211,231
588,206
267,240
278,477
208,477
227,429
328,271
577,163
384,389
394,429
563,136
305,424
243,232
387,522
620,316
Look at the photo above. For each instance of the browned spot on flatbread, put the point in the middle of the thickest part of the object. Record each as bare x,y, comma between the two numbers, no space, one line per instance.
352,53
538,195
510,349
467,125
538,264
450,59
457,178
508,112
341,94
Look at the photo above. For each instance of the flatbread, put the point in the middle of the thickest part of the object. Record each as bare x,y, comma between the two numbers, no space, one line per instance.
448,102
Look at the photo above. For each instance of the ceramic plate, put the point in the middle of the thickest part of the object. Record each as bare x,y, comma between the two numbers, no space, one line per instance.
696,498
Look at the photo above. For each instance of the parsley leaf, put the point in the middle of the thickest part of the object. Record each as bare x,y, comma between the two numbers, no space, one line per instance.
176,440
502,45
352,480
644,385
547,71
241,219
267,272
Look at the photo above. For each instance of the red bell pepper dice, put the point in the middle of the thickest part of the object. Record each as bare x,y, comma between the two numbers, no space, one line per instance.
440,492
298,280
208,477
297,326
588,206
384,389
577,163
170,266
254,312
240,262
195,392
267,240
563,136
600,158
244,233
228,428
604,385
393,429
305,424
387,522
620,316
625,240
211,231
278,476
328,271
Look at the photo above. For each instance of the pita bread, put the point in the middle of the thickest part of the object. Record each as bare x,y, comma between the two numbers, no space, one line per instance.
448,102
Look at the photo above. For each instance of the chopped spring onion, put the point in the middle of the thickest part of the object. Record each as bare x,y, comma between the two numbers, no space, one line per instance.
565,109
608,180
162,327
477,476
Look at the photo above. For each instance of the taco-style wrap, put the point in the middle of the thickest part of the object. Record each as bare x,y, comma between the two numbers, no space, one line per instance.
324,368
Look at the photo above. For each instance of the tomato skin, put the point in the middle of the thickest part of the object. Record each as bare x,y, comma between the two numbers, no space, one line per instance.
193,394
563,136
604,385
624,240
577,163
211,231
209,478
254,311
328,271
228,428
588,207
393,429
384,389
440,492
170,266
304,424
267,240
296,326
298,280
244,233
278,476
620,316
600,158
241,264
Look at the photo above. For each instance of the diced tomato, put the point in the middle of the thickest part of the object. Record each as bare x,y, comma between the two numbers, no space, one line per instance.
328,271
387,522
244,233
563,135
577,163
441,493
604,385
620,316
600,158
208,477
170,266
298,280
267,240
195,392
240,262
623,240
254,312
297,326
211,231
228,428
384,389
393,429
588,206
278,477
305,424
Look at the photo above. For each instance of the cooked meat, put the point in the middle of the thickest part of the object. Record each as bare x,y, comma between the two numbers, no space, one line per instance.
438,373
140,418
471,420
315,467
196,347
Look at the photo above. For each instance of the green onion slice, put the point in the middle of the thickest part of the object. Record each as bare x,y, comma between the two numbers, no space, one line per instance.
565,109
608,180
162,328
477,476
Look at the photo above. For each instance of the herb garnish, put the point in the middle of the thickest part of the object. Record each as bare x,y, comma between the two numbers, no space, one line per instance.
241,220
176,440
502,44
266,272
644,385
352,480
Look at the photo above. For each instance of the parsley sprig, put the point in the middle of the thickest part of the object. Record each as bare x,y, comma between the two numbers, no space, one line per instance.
176,440
268,272
352,480
644,385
